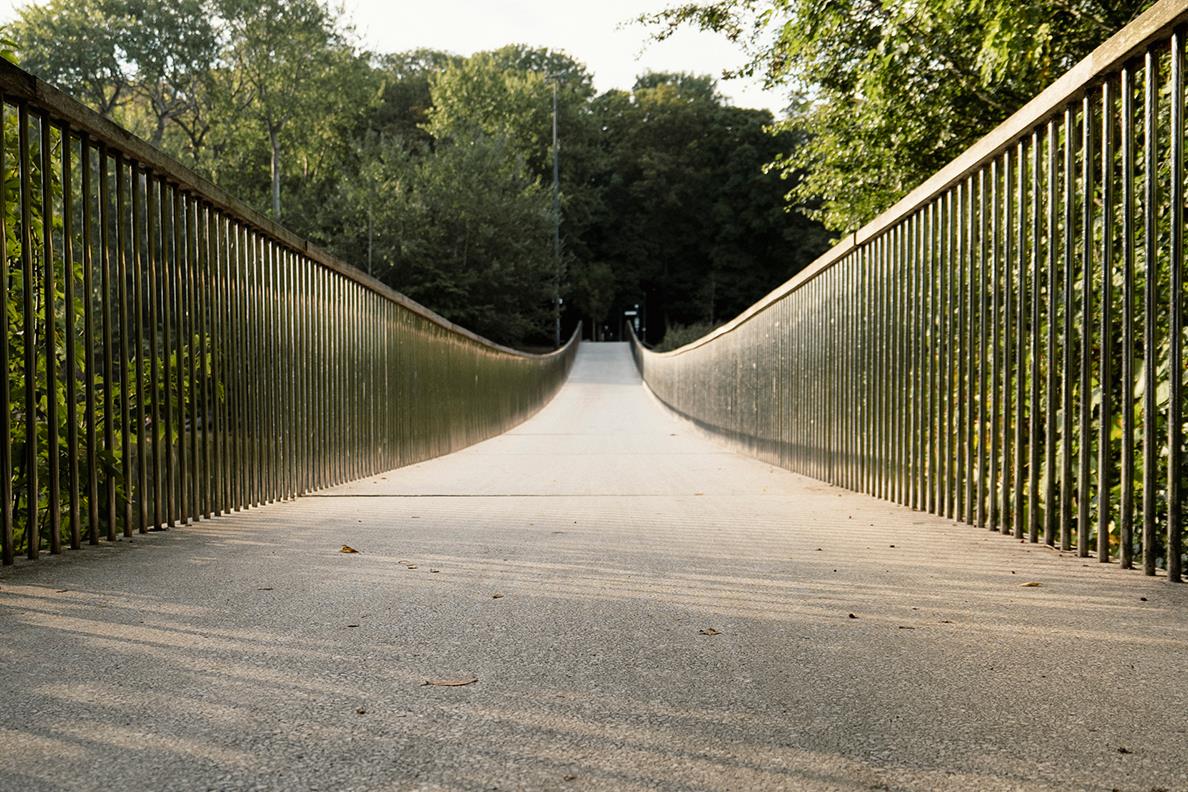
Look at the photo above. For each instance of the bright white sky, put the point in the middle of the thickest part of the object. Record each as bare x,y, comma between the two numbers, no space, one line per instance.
599,33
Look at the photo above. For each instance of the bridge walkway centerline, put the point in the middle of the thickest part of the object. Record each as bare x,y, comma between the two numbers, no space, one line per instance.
641,608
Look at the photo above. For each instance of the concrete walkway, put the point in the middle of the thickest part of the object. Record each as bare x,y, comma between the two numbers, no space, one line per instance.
574,566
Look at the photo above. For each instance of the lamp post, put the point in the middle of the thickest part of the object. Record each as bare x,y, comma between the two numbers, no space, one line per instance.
556,221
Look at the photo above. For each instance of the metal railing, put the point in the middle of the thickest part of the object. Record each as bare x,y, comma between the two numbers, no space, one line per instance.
173,355
1004,346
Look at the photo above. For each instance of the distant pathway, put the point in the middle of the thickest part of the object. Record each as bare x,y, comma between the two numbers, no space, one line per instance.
573,566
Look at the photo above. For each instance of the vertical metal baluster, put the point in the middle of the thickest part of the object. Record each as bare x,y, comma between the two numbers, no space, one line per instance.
887,341
932,343
88,236
49,307
206,350
106,277
1066,431
178,291
980,284
254,402
248,341
969,263
32,489
1126,523
268,450
1106,331
1012,261
237,364
1175,301
911,336
902,268
70,369
1033,400
948,476
221,382
191,331
129,338
7,538
962,362
1150,302
998,261
1050,508
157,303
140,299
1088,153
920,377
1017,491
168,255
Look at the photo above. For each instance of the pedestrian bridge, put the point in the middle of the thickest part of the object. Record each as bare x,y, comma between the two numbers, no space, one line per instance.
909,522
573,566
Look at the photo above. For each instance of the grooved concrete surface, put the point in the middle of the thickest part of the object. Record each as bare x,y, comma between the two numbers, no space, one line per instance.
248,653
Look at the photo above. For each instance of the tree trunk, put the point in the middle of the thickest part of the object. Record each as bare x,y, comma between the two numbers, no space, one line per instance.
274,139
158,132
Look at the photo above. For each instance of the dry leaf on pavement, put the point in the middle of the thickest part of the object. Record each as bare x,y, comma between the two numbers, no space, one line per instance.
451,682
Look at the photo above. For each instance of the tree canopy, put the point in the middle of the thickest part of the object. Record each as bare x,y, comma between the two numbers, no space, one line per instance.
433,171
886,92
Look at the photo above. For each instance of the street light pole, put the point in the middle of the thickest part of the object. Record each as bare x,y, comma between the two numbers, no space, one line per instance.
556,225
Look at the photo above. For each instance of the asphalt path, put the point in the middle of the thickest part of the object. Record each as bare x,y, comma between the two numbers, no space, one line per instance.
631,607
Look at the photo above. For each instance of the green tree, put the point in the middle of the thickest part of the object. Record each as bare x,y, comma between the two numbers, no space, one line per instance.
896,89
76,45
291,61
695,229
479,255
146,63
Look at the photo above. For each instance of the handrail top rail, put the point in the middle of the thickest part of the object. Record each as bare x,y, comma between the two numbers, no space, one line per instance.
20,86
1110,56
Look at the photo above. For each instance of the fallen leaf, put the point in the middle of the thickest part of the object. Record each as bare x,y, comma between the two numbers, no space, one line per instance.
347,549
412,566
709,631
496,596
451,682
1030,584
852,616
698,493
434,570
902,627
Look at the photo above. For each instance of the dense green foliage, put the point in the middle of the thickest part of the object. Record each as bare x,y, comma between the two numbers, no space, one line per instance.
434,172
892,90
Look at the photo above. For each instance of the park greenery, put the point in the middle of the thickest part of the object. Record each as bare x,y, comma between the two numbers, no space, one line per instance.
889,91
434,171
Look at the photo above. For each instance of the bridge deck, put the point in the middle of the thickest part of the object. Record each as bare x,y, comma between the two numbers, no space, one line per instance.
249,653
